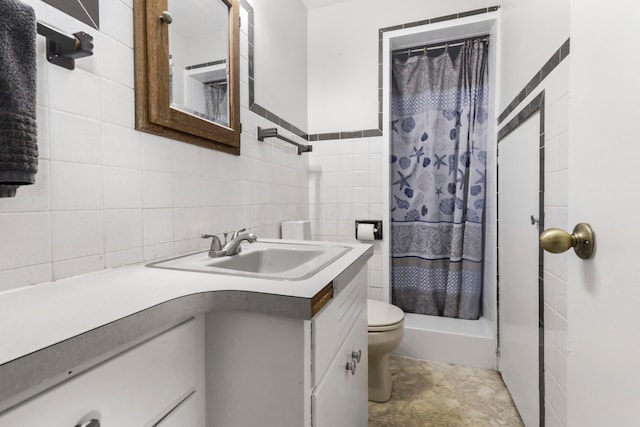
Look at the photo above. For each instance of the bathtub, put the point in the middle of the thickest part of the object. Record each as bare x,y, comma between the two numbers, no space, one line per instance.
443,339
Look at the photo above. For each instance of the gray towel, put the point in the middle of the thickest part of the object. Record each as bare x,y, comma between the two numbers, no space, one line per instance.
18,129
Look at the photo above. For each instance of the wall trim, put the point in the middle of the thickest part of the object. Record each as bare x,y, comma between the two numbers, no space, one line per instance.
253,105
555,60
363,133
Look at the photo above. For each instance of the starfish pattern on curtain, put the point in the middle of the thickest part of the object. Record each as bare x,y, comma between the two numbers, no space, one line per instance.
439,136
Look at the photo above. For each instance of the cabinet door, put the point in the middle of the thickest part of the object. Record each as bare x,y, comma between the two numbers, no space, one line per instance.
129,390
340,400
331,327
184,415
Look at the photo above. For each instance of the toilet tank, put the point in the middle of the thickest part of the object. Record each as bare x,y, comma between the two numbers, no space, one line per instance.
296,230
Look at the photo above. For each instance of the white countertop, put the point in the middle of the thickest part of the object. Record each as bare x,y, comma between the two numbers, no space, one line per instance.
40,316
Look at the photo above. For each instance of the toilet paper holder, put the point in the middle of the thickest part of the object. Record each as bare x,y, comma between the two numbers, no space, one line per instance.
377,227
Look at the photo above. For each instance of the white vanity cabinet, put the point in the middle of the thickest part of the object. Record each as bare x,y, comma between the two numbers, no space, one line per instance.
153,383
340,399
275,371
259,352
339,341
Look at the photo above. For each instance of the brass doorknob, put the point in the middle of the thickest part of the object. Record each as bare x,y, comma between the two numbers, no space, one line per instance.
582,240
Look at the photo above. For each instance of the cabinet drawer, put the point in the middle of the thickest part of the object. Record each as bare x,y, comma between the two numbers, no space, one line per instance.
332,325
130,389
340,400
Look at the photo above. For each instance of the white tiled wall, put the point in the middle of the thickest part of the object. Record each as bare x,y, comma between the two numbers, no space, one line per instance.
107,195
556,265
345,184
556,87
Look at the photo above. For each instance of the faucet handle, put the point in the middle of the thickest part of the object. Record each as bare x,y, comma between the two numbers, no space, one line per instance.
215,243
235,233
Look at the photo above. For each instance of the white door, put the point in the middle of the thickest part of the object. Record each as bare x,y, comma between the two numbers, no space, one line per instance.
604,190
519,171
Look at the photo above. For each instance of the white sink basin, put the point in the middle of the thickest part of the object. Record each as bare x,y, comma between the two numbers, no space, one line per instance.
268,260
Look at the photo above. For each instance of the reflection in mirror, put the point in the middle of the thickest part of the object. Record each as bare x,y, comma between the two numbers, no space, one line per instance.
198,58
187,59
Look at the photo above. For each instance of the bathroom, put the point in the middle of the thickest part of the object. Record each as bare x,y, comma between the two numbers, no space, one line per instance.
108,196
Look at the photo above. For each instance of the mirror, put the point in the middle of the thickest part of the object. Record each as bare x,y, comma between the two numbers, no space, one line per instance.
187,71
198,58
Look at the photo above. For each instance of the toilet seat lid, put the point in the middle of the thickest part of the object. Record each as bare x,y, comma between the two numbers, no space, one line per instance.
381,314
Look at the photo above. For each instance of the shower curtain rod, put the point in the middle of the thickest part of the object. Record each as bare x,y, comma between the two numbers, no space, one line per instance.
437,46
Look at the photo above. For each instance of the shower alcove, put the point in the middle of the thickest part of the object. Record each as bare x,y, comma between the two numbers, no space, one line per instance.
442,339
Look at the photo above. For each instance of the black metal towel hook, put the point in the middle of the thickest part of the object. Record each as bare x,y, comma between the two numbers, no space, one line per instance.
62,48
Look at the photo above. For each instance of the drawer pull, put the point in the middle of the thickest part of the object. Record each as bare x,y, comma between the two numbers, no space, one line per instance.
89,423
351,366
357,355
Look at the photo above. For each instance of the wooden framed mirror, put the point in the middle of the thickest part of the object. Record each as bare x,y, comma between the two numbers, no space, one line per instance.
187,74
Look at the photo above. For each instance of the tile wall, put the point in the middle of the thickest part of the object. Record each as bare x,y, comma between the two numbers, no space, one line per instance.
556,265
107,195
87,11
555,85
345,184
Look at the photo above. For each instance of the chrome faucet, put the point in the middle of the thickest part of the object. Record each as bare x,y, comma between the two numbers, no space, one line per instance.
233,247
216,247
230,248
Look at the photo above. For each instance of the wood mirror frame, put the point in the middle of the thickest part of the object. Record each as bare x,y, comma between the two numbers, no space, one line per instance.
154,113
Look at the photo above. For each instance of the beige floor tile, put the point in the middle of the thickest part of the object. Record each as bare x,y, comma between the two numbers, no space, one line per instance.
429,394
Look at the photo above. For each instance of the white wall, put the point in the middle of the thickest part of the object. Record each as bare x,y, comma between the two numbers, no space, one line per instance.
532,31
526,47
281,58
107,195
345,184
343,51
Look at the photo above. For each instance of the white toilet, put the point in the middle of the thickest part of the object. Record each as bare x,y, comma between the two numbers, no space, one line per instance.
386,328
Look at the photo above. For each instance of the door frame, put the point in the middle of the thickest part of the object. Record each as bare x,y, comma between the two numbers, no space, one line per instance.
537,105
403,36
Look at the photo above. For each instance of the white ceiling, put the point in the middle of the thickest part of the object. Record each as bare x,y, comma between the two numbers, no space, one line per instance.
312,4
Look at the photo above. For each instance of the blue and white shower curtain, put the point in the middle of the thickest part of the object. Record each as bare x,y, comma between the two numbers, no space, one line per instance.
438,164
216,102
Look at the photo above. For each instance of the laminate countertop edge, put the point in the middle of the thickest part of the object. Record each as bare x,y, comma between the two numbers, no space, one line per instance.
30,374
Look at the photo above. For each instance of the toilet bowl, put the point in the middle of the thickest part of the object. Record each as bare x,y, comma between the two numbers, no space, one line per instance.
386,328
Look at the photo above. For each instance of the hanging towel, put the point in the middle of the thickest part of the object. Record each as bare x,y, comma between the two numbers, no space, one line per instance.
18,129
